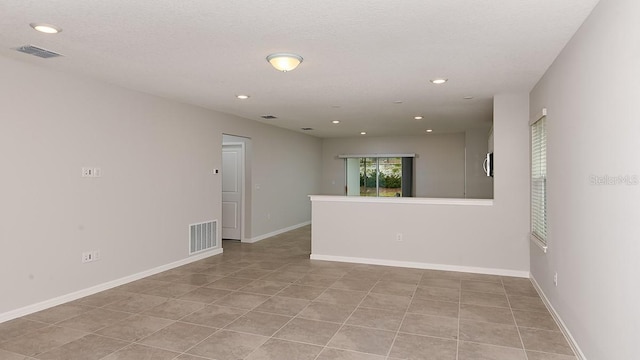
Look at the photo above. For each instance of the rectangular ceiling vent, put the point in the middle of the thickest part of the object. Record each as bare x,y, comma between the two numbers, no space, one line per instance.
203,236
268,117
36,51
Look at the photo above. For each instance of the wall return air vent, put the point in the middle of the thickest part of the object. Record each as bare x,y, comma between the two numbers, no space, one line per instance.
203,236
36,51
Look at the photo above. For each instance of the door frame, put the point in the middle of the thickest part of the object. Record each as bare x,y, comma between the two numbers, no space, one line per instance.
242,185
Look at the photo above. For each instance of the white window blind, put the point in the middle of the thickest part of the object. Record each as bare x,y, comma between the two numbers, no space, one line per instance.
539,180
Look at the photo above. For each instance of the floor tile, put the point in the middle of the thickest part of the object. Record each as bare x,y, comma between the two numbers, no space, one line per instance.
482,286
58,313
336,354
426,325
141,352
545,341
354,284
528,303
441,283
252,273
198,279
327,312
258,323
90,347
136,303
339,296
42,340
438,294
283,306
178,337
17,327
134,328
474,351
365,340
265,287
308,331
422,347
489,333
205,295
228,345
534,355
521,289
214,316
386,302
242,300
376,318
284,276
431,307
94,320
141,285
276,349
174,309
301,292
230,283
394,288
482,298
316,280
5,355
535,319
170,290
486,314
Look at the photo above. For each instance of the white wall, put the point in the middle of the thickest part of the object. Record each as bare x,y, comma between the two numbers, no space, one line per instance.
438,167
476,145
157,158
591,92
492,239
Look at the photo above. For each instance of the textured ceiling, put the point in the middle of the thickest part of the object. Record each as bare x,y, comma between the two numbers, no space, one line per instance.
359,56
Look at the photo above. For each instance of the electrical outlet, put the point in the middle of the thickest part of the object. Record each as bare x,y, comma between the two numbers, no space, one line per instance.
87,256
399,237
555,279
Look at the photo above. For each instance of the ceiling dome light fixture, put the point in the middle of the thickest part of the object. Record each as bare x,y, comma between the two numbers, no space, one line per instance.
438,81
45,28
284,61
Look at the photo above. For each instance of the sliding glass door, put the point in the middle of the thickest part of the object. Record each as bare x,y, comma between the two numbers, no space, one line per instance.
375,176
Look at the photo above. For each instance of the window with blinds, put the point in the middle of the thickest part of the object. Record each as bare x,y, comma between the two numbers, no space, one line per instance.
539,181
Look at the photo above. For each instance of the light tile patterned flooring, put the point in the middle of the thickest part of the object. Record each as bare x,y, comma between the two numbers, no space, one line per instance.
269,301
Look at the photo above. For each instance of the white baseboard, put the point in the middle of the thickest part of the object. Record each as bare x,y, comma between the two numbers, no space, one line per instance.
419,265
274,233
563,327
30,309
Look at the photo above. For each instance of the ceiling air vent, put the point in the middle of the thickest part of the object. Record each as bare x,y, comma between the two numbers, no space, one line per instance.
306,129
268,117
36,51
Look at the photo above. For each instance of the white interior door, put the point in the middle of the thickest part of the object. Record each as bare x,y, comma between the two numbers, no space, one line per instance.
232,174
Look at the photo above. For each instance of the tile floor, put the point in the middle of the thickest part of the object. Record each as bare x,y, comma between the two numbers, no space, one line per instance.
269,301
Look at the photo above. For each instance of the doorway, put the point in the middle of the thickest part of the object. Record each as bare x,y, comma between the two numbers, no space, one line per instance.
233,174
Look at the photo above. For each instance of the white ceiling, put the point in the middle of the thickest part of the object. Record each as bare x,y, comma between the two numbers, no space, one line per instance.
359,56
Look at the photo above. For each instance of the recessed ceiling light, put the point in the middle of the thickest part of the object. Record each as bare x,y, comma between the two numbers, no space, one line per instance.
429,130
439,81
468,97
45,28
418,117
335,122
242,97
363,133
